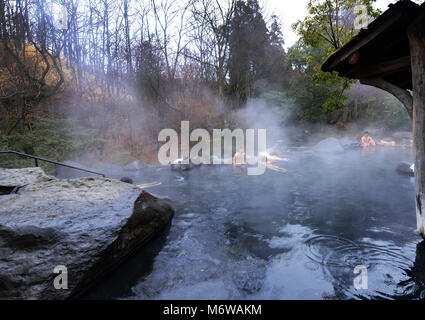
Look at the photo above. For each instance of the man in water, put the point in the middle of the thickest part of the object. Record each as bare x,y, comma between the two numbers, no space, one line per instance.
239,159
367,140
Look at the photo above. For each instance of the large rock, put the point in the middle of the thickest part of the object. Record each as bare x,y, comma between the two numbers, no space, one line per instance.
406,168
329,145
180,165
350,144
88,225
22,177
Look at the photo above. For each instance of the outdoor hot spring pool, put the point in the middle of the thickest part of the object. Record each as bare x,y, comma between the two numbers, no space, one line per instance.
294,235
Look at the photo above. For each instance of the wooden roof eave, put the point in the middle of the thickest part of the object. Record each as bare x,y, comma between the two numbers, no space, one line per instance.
400,12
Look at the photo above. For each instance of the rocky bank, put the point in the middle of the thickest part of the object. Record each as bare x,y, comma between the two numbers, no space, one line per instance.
88,225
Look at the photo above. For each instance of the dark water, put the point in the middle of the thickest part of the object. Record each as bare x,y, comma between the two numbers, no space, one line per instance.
297,235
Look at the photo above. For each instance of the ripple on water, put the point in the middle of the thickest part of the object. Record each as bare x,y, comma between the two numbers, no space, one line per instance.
386,264
179,179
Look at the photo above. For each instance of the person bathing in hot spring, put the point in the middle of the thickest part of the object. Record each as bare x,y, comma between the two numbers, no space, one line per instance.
239,159
367,141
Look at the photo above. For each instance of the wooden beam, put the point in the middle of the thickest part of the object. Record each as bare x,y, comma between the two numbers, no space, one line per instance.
416,34
381,69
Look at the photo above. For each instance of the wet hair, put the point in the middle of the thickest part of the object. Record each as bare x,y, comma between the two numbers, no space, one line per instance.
366,132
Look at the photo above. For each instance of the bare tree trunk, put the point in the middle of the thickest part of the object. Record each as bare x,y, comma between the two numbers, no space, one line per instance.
416,35
127,39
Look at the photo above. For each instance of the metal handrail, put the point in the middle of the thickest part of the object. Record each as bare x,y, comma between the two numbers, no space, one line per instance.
50,161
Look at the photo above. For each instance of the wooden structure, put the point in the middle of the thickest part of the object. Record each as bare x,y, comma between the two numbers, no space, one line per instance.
390,55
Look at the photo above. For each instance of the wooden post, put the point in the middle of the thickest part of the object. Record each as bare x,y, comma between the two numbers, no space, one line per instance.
416,33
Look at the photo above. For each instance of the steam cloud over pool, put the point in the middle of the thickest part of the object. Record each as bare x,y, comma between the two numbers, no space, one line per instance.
293,235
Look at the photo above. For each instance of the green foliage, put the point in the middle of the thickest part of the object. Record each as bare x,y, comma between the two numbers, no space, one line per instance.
283,105
328,26
310,98
310,95
320,95
256,54
386,111
297,58
55,139
330,23
335,101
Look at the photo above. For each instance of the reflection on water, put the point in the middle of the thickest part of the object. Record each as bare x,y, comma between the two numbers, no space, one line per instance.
387,266
297,235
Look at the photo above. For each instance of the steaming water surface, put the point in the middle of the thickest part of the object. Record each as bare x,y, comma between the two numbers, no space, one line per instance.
297,235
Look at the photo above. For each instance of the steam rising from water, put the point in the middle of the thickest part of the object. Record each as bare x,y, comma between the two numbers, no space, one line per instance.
291,236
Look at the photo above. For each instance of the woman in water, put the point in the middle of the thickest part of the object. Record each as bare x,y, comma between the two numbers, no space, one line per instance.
239,159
